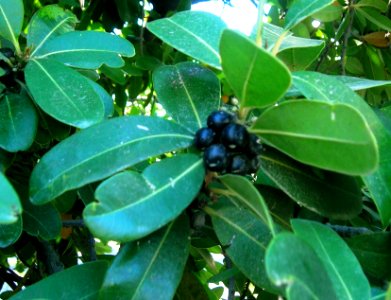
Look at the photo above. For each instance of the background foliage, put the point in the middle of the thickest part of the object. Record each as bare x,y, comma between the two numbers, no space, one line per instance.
99,106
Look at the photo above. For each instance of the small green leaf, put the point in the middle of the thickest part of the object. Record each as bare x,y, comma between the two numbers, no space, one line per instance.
78,282
188,92
41,221
9,233
318,86
243,191
104,97
378,4
301,9
375,17
88,49
373,253
18,122
330,194
342,266
47,23
11,19
158,195
103,150
291,262
10,207
63,93
245,237
158,260
330,136
244,66
194,33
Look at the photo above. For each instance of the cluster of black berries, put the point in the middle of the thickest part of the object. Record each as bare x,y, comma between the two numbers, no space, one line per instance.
228,146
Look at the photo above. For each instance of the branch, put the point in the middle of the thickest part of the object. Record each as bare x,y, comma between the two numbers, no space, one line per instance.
348,231
73,223
48,256
231,282
347,35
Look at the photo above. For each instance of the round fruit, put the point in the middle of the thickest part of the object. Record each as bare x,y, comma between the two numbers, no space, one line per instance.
239,165
254,145
215,158
235,136
217,120
204,138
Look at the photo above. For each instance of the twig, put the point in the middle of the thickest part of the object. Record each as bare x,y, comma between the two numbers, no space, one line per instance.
348,33
245,290
231,282
49,257
73,223
91,246
348,231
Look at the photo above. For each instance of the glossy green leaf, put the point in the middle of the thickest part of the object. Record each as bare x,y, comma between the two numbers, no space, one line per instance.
78,282
301,9
291,262
158,195
63,93
9,233
10,207
100,153
47,23
194,33
330,194
322,87
330,136
375,17
41,221
104,97
244,67
245,238
329,13
18,122
188,92
88,49
342,266
373,252
243,191
11,19
158,260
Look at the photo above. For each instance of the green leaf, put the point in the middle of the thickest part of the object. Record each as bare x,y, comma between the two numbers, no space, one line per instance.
41,221
245,238
244,192
301,9
375,17
373,253
188,92
10,233
11,20
292,262
10,207
63,93
342,266
47,23
330,136
378,4
330,194
158,195
78,282
19,121
104,97
194,33
244,66
88,49
157,260
103,150
322,87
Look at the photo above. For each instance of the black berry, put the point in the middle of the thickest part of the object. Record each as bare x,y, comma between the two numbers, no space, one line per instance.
235,136
239,164
254,145
204,138
217,120
254,165
216,158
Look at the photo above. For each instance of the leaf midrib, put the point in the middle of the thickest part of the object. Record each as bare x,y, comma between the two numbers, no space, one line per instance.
151,195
